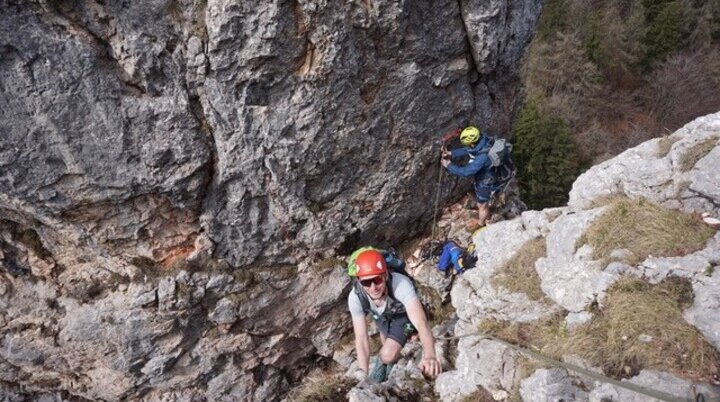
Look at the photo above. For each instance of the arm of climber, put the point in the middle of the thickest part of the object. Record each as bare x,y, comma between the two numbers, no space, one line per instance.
459,152
471,168
429,364
362,343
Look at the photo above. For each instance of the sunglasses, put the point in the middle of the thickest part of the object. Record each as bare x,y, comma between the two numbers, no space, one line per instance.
376,280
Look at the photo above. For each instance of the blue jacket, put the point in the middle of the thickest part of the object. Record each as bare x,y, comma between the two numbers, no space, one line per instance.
479,165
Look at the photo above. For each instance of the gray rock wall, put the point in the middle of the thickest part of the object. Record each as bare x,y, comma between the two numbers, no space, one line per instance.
143,142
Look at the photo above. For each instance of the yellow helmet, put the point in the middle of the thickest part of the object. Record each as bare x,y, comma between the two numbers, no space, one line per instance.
469,135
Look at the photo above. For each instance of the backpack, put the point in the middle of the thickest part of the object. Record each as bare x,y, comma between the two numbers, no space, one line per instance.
434,249
502,167
395,264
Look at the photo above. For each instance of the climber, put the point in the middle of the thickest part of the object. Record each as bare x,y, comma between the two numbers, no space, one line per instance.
390,298
489,164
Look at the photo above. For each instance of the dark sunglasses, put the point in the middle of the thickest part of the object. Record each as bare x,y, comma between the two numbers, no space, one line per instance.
376,280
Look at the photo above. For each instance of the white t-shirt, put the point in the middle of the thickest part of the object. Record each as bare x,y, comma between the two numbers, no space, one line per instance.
403,291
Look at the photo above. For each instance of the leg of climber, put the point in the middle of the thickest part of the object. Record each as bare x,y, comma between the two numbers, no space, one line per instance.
483,213
483,195
390,351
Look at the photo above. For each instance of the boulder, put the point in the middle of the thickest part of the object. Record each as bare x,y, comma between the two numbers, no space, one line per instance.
554,384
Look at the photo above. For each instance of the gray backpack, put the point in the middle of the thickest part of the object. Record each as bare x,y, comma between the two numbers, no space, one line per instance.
502,169
499,150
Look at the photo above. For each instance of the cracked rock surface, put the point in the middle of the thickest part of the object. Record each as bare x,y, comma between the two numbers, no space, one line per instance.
174,176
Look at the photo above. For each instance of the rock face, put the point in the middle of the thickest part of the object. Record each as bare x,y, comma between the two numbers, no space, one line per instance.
152,152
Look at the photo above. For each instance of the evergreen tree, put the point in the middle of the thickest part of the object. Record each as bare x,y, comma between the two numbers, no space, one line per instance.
662,36
543,152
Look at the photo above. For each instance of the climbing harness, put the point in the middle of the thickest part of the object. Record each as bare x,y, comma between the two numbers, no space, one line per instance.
653,393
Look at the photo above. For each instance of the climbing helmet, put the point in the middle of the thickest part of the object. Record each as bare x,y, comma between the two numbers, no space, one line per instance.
469,135
370,263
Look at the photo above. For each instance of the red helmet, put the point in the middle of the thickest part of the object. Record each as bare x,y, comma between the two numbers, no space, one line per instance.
370,263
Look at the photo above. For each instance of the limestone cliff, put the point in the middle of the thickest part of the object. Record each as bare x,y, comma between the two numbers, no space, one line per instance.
155,156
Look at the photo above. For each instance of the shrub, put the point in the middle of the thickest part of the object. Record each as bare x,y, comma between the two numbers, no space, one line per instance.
560,66
616,49
543,152
680,89
593,39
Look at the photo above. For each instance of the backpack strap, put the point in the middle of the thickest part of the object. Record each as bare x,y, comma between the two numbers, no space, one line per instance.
393,307
364,300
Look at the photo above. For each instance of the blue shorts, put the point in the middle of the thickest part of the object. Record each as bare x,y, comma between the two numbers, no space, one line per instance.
483,193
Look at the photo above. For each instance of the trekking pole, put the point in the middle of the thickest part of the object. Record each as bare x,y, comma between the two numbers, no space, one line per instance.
447,137
437,199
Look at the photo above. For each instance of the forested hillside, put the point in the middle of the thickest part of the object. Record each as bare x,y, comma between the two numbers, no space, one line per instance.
603,76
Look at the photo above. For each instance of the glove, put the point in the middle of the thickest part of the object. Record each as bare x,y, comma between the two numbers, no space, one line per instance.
445,163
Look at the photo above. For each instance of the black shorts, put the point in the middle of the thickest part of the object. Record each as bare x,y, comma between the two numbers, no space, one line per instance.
395,328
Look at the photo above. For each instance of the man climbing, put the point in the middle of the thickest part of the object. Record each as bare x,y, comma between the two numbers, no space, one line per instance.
390,298
480,166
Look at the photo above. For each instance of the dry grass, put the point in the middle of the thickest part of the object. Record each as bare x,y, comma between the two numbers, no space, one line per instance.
633,308
326,265
534,335
322,386
645,229
611,340
697,152
664,145
519,274
480,395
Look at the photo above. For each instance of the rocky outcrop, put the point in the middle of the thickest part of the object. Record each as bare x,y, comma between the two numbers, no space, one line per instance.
155,155
679,172
165,338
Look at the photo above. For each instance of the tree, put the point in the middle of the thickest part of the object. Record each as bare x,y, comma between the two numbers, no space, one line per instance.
662,36
544,154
